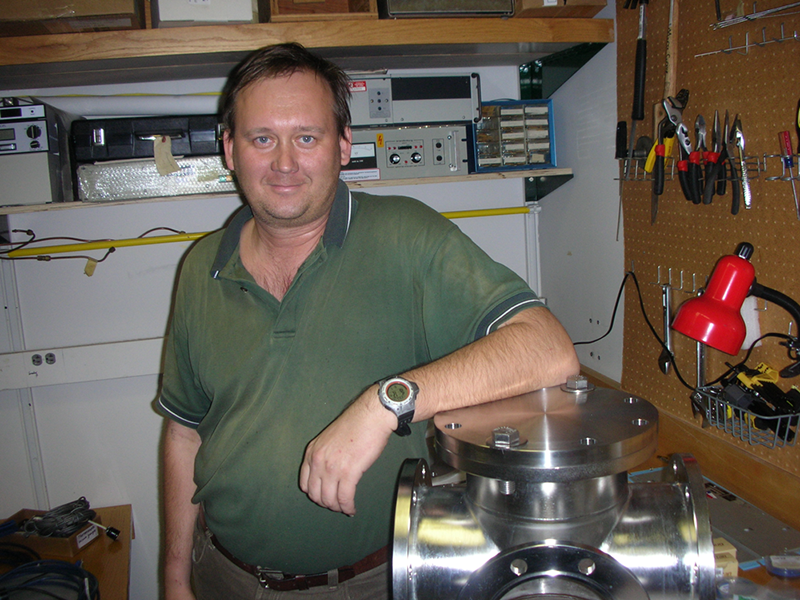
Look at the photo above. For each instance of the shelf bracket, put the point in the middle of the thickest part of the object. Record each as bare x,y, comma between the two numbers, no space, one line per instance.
541,78
537,187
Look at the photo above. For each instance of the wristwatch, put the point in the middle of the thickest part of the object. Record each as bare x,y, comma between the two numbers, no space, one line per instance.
399,395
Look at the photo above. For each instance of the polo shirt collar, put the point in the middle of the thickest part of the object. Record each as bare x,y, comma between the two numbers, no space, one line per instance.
339,219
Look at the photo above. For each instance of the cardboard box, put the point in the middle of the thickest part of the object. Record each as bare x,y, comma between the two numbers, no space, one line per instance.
584,9
725,558
318,10
182,13
52,546
40,17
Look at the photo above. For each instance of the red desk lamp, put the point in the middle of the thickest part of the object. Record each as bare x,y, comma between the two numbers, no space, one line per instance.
715,319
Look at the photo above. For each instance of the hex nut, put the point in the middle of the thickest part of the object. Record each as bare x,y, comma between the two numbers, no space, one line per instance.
505,437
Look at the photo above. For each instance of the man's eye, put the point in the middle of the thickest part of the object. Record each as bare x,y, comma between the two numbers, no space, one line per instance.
262,140
306,139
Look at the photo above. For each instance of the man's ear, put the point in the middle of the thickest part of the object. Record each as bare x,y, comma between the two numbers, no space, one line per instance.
345,145
227,144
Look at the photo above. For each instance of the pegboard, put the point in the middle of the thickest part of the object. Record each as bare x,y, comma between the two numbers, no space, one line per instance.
758,78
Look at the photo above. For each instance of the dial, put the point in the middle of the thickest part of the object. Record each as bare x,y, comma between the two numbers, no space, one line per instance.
398,392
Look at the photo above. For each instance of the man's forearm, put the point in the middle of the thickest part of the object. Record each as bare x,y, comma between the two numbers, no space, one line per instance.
530,351
180,449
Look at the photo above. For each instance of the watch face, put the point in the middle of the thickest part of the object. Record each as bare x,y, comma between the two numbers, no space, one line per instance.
398,392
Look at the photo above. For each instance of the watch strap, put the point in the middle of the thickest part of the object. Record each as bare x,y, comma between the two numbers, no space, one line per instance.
404,424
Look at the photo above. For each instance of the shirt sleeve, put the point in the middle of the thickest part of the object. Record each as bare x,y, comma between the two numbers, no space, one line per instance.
182,398
468,294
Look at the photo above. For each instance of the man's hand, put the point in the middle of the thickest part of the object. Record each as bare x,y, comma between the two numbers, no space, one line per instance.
337,458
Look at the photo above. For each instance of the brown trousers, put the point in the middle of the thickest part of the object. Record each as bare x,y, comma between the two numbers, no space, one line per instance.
215,577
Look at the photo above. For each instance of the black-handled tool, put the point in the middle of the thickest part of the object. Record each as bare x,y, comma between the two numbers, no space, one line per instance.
622,139
640,69
722,181
700,151
712,160
717,175
735,188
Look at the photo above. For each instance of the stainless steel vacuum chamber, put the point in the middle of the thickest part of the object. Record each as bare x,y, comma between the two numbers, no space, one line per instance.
547,511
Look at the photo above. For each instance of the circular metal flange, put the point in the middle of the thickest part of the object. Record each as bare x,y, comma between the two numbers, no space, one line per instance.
684,469
414,476
554,571
566,436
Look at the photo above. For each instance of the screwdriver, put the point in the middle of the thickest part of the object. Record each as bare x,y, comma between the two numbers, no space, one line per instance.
640,69
788,164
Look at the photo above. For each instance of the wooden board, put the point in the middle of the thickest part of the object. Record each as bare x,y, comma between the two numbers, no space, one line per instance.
760,84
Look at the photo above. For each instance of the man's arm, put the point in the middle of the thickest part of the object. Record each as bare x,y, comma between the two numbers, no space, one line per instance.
530,351
180,448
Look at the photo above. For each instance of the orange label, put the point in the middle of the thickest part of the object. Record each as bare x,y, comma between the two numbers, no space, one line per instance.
379,139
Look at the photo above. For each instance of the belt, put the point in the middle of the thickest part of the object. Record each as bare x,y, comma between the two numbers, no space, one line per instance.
285,582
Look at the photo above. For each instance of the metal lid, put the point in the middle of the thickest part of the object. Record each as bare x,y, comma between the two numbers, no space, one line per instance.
554,434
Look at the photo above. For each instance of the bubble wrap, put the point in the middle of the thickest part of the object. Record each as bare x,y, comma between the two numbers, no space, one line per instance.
134,179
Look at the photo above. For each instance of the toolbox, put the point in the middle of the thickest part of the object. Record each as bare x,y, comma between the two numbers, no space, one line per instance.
514,135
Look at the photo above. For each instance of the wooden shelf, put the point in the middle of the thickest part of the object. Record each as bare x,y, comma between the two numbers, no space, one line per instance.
211,51
535,173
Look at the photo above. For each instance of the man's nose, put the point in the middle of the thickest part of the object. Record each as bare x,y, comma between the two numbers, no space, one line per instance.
284,159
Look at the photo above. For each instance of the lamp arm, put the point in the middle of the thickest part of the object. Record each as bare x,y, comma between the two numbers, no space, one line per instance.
776,297
793,308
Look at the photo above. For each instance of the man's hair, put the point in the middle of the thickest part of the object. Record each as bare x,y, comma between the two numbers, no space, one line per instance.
283,60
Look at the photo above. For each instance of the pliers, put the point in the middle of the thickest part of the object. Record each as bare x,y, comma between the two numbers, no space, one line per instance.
712,158
695,168
730,146
634,3
725,163
665,130
674,110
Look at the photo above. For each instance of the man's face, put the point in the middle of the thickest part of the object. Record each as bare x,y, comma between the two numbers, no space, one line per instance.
286,150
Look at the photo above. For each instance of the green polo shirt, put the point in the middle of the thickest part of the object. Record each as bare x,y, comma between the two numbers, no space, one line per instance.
390,286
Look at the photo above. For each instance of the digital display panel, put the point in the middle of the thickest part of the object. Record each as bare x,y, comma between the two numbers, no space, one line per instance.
6,135
10,113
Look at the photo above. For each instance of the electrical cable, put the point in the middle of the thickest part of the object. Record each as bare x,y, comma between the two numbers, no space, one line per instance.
632,275
613,314
104,242
50,578
731,368
61,521
14,555
742,363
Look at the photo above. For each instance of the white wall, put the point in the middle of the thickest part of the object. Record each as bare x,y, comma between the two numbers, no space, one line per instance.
582,261
100,439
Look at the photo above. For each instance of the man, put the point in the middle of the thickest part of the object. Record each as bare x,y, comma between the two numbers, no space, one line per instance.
283,325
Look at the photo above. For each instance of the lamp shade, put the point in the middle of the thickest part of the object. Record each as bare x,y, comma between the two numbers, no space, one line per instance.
715,318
